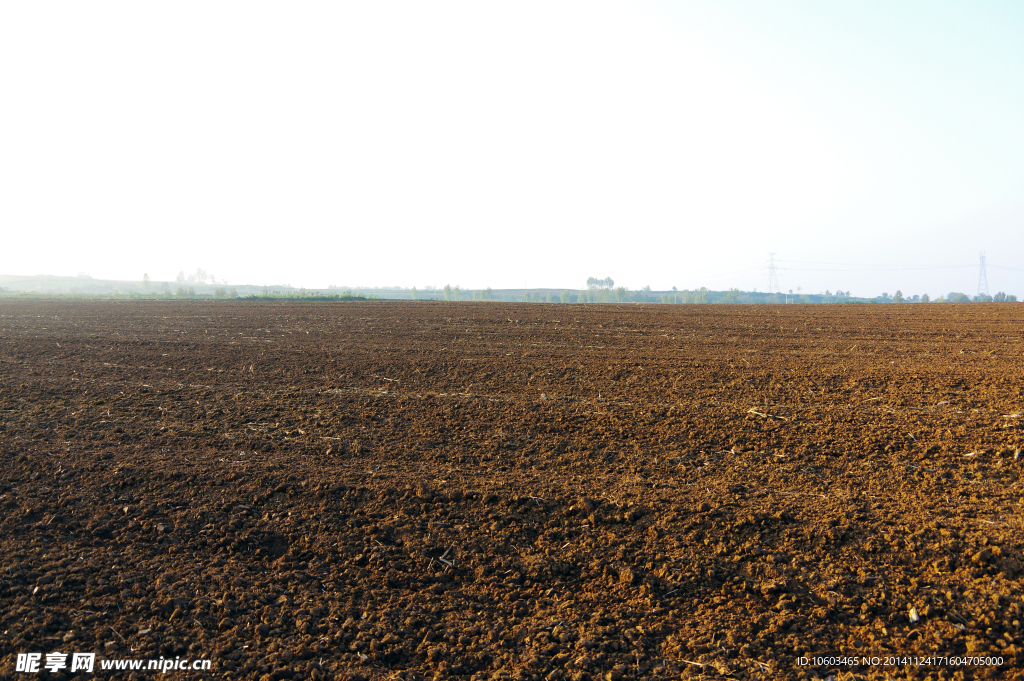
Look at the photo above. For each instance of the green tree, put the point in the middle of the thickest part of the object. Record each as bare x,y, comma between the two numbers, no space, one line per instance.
414,293
566,296
145,280
925,298
898,296
447,292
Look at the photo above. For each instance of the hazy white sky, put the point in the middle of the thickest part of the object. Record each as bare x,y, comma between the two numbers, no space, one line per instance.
515,144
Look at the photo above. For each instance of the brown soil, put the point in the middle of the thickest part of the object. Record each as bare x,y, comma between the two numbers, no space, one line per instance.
485,491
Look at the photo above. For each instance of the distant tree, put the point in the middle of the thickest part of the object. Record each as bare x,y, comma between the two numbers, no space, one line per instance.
232,293
954,297
145,280
732,296
447,292
414,293
925,298
566,296
999,297
180,279
550,297
621,294
643,295
220,293
898,296
536,296
983,298
488,293
1010,298
455,292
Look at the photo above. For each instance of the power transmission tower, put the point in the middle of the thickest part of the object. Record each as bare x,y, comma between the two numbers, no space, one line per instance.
982,278
773,279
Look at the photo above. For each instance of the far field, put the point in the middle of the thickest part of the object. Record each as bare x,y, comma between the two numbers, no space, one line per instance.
399,490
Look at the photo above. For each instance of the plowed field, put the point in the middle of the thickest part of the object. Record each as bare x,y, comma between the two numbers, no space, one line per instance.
404,491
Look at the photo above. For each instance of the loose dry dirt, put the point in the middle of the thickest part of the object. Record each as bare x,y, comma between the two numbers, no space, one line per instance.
385,490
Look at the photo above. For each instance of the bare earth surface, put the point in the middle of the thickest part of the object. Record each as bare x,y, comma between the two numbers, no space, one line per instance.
404,491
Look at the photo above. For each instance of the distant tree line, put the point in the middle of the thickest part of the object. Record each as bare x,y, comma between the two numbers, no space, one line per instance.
598,290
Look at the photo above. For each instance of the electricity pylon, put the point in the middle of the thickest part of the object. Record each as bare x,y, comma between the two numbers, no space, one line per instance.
982,278
773,279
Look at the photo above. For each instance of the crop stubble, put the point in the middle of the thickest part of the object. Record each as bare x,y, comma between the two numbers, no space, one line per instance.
409,490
